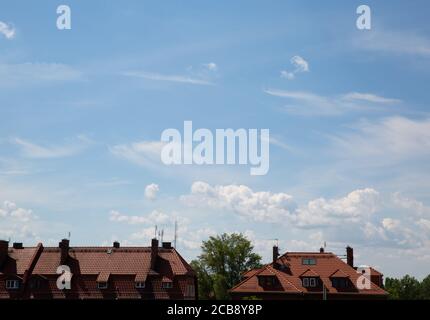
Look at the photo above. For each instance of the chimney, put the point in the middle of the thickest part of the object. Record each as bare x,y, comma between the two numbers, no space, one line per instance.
4,247
154,252
350,256
116,245
18,245
64,246
321,250
275,254
167,245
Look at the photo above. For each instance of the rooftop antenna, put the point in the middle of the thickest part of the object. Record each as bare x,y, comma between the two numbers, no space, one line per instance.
176,232
325,245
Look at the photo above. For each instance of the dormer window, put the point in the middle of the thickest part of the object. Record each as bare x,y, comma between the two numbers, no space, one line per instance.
12,284
140,285
309,282
167,285
102,285
340,283
266,281
309,261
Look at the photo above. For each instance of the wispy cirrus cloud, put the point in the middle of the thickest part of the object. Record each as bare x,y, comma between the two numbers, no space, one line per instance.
32,150
169,78
12,75
143,153
7,30
388,140
397,42
308,103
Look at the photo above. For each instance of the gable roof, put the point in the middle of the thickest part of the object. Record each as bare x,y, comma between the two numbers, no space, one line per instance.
327,265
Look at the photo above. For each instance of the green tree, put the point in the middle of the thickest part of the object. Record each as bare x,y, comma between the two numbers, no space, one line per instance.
425,288
407,288
224,258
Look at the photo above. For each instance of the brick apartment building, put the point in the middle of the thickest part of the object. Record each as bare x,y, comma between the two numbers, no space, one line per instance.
308,275
96,272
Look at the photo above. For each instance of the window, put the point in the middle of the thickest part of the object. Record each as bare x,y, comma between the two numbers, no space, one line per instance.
167,285
266,281
339,283
305,282
102,285
309,282
309,261
140,285
35,284
190,291
12,284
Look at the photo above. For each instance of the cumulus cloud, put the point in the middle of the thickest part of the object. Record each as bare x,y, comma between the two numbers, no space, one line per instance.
16,222
151,191
300,65
260,206
7,30
211,66
357,206
155,217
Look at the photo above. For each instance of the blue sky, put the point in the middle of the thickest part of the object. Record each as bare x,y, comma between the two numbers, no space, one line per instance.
82,112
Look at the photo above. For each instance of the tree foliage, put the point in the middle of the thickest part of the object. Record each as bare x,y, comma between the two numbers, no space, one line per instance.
408,288
223,260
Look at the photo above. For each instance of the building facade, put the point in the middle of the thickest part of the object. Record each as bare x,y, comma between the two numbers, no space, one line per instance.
155,272
310,275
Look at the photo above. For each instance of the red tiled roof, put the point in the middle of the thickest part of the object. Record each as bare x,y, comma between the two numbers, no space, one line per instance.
327,264
339,274
309,273
121,267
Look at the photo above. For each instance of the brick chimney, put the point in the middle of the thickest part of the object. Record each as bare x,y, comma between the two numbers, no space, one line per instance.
350,256
275,254
116,245
321,250
154,252
4,247
64,246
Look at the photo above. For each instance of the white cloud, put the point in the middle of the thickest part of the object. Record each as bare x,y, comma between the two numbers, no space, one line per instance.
356,207
300,65
10,209
397,42
12,75
32,150
155,217
16,222
260,206
308,103
151,191
370,97
211,66
7,30
144,153
425,224
169,78
390,139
